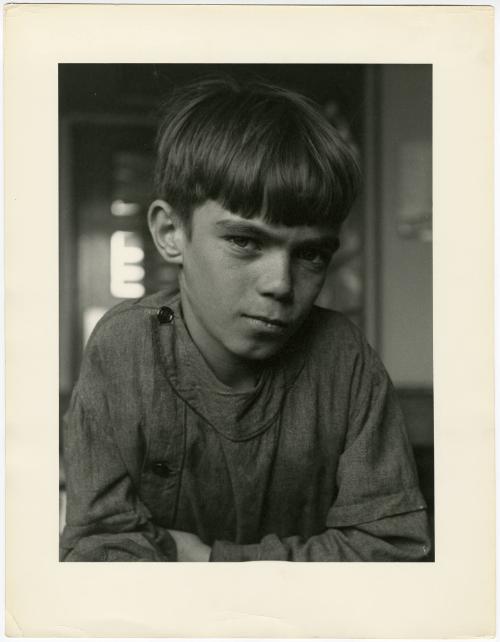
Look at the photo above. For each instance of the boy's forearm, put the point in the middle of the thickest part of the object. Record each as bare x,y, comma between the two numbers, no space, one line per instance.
402,538
120,547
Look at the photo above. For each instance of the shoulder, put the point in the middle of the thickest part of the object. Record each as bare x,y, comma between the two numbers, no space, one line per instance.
121,345
331,332
128,321
332,343
339,347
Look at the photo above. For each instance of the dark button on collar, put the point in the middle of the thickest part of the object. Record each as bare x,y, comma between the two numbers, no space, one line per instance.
165,315
161,468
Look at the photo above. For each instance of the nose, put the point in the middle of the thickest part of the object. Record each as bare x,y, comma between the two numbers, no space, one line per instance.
276,279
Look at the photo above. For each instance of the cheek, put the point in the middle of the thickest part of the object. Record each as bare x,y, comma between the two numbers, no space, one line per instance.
217,281
201,271
214,264
308,286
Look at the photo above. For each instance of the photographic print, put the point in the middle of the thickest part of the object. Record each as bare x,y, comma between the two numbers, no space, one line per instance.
185,445
249,321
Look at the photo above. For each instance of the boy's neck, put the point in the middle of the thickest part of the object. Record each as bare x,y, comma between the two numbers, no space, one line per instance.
238,374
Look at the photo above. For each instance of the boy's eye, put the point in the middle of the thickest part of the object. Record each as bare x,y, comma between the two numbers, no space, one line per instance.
316,257
243,242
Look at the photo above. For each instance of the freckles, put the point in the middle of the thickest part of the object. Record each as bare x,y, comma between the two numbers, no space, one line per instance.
238,272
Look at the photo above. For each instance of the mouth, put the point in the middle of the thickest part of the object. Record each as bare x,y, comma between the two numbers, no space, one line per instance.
270,324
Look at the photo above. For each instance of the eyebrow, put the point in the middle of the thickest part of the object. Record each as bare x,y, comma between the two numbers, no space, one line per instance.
244,227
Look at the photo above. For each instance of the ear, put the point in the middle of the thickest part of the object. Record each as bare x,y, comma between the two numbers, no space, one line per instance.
167,230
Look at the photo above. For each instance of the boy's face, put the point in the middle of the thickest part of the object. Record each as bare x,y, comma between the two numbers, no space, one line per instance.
247,285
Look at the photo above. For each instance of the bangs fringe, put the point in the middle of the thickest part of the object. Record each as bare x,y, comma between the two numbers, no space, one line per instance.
288,187
276,157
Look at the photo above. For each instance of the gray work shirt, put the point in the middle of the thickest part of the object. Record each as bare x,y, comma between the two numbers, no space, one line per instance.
313,464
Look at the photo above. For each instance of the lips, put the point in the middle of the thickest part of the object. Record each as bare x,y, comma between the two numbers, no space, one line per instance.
268,321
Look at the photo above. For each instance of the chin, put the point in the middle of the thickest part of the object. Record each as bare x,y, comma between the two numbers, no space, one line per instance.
261,352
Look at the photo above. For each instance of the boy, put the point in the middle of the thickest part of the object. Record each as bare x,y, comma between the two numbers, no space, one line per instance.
236,421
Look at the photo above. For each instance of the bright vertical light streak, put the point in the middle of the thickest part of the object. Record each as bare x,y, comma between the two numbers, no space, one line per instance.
126,273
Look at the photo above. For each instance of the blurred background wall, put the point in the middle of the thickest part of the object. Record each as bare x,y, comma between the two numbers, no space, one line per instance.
382,276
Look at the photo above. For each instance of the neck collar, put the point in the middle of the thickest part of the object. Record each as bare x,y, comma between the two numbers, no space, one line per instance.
236,415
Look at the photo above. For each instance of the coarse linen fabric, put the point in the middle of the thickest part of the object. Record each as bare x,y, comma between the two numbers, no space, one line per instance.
313,464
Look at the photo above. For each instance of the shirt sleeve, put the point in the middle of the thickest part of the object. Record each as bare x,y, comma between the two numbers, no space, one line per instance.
105,519
400,538
379,513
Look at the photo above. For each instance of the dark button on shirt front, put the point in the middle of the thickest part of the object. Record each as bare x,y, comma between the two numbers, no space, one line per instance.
165,315
161,468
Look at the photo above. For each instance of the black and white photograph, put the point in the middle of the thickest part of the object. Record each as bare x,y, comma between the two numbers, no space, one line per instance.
249,321
246,312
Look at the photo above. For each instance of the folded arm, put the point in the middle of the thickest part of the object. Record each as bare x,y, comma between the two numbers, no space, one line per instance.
399,538
105,519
